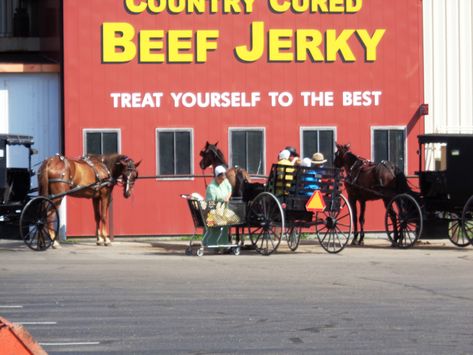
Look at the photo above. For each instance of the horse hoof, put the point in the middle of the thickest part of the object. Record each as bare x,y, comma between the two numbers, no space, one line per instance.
107,242
361,243
354,242
56,245
99,243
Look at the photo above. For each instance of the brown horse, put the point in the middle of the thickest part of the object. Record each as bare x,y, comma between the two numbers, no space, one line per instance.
211,155
92,176
368,181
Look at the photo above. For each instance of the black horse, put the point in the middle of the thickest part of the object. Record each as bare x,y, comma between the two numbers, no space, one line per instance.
213,156
368,181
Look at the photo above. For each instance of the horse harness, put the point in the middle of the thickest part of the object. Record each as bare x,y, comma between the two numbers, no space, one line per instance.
99,182
356,167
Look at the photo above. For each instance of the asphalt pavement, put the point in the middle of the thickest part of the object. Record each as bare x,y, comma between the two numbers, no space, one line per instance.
144,296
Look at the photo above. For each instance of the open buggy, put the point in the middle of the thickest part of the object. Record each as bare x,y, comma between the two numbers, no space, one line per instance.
34,219
446,193
276,210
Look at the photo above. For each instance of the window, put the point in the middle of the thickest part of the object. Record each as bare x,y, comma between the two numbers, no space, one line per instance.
247,149
174,151
101,141
318,140
389,144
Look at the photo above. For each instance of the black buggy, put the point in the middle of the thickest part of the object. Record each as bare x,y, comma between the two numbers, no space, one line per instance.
34,219
269,212
446,193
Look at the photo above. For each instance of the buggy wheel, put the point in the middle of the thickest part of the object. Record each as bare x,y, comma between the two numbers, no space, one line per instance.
39,223
403,221
456,232
467,220
334,226
293,236
266,220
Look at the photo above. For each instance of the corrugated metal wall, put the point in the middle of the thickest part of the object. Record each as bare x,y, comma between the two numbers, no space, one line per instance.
448,58
29,104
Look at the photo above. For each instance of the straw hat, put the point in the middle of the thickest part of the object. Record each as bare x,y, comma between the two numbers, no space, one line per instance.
318,158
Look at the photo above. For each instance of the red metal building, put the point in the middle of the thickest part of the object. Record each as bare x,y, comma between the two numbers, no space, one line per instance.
157,79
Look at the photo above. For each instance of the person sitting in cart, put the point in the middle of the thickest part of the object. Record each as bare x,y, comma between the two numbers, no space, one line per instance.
219,190
284,175
293,155
311,177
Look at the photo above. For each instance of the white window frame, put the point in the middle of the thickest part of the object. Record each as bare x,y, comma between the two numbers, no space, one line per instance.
316,128
176,129
233,129
399,128
101,130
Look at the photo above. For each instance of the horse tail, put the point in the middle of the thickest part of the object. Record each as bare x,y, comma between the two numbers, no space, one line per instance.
402,185
239,182
43,183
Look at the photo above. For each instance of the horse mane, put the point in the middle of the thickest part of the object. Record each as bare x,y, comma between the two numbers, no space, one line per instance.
111,162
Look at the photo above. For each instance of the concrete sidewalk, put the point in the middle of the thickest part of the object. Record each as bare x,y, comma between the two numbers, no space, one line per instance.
169,245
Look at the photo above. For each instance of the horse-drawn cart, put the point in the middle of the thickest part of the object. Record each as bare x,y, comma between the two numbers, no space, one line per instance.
21,214
446,193
276,210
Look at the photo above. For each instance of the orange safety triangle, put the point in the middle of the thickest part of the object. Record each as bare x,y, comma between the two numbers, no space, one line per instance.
316,202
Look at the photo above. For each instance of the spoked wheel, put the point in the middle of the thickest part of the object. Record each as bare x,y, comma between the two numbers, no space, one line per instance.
456,232
39,223
266,218
293,236
334,226
467,220
403,221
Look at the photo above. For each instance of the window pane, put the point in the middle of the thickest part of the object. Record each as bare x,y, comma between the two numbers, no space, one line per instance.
110,142
183,153
309,143
326,145
239,148
380,145
166,153
93,143
396,147
255,152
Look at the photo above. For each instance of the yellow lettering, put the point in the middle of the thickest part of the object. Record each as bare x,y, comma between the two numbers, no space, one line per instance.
276,6
370,43
197,6
156,8
131,6
257,44
176,6
309,41
124,42
179,42
318,6
353,6
203,45
148,46
231,6
335,44
337,6
248,6
280,40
